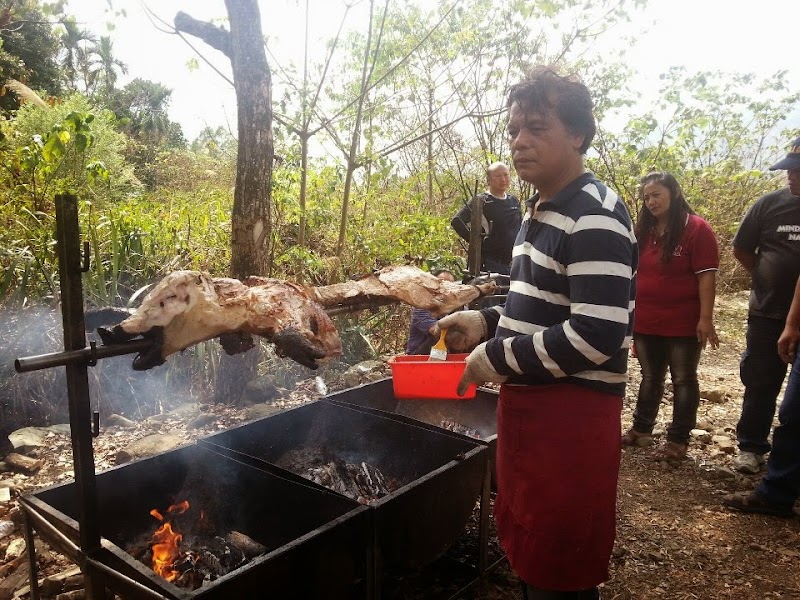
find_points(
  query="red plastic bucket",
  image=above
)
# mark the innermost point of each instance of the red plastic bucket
(415, 377)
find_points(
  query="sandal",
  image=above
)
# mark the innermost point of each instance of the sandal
(630, 438)
(752, 502)
(671, 451)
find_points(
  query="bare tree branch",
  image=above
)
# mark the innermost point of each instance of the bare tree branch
(172, 30)
(216, 37)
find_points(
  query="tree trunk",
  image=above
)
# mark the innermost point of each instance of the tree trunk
(251, 224)
(352, 158)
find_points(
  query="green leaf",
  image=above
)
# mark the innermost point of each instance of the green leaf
(96, 171)
(82, 141)
(53, 148)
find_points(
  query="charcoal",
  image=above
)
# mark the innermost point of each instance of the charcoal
(362, 482)
(211, 558)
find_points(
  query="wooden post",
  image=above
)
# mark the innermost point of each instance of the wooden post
(475, 234)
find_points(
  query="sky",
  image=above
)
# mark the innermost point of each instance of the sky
(699, 34)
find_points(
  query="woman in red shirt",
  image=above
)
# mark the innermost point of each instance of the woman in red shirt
(678, 263)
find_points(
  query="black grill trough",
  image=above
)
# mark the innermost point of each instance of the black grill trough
(319, 544)
(437, 477)
(478, 414)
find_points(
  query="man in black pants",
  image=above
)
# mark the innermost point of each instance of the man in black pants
(502, 217)
(768, 246)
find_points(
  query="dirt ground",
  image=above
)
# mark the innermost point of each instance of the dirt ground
(674, 539)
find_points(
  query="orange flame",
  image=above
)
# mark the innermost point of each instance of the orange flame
(165, 550)
(166, 543)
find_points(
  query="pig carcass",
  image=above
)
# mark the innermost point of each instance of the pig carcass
(187, 307)
(403, 283)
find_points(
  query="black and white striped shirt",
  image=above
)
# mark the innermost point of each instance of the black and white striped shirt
(569, 312)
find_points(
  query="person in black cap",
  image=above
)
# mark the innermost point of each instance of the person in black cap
(767, 245)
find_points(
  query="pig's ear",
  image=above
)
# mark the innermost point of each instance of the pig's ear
(98, 317)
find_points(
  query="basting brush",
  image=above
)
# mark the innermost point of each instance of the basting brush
(439, 350)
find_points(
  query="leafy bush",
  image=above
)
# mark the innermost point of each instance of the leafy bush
(56, 149)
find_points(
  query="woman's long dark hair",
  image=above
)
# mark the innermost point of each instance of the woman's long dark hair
(678, 209)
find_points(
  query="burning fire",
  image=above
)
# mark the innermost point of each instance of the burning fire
(166, 543)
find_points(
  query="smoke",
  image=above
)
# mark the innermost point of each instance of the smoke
(39, 398)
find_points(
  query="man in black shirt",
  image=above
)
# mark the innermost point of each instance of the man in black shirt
(502, 217)
(767, 244)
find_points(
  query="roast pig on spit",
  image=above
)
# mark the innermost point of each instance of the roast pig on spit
(188, 307)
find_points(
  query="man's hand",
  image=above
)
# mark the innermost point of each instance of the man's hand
(479, 370)
(465, 330)
(787, 344)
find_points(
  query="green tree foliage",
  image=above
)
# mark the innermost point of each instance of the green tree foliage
(65, 148)
(107, 64)
(717, 133)
(75, 43)
(28, 49)
(141, 108)
(33, 128)
(425, 88)
(215, 143)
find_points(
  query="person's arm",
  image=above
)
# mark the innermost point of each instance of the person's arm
(423, 321)
(787, 343)
(746, 241)
(704, 253)
(460, 222)
(707, 289)
(746, 259)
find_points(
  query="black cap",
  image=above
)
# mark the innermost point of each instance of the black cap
(792, 160)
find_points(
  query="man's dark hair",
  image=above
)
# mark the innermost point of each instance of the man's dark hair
(544, 89)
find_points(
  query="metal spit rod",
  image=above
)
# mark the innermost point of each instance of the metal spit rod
(88, 356)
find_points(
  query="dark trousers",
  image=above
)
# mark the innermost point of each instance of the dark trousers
(781, 485)
(682, 355)
(762, 372)
(494, 265)
(532, 593)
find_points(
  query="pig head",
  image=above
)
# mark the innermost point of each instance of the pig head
(187, 307)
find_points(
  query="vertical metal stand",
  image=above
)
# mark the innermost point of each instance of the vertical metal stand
(33, 568)
(475, 234)
(70, 266)
(483, 526)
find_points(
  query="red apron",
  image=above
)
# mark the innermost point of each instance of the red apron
(558, 454)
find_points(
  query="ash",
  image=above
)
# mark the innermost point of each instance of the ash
(459, 428)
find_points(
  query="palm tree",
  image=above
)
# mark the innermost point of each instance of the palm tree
(74, 41)
(107, 63)
(147, 103)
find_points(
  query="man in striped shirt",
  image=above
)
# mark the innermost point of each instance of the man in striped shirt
(559, 346)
